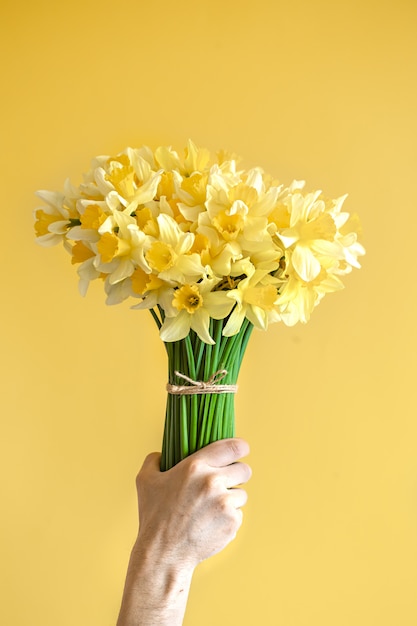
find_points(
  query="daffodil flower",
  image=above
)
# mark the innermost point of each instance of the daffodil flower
(170, 256)
(190, 307)
(53, 220)
(201, 238)
(196, 159)
(252, 299)
(298, 298)
(311, 235)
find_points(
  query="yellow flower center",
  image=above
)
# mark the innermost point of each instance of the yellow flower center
(110, 246)
(80, 253)
(189, 298)
(201, 243)
(122, 175)
(243, 192)
(196, 159)
(93, 217)
(201, 246)
(263, 297)
(195, 185)
(160, 256)
(147, 222)
(323, 227)
(43, 221)
(177, 215)
(229, 226)
(142, 282)
(280, 216)
(166, 185)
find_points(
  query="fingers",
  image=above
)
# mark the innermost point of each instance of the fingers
(150, 466)
(152, 461)
(218, 454)
(237, 498)
(219, 458)
(236, 474)
(223, 452)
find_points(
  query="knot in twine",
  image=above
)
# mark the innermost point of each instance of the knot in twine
(200, 387)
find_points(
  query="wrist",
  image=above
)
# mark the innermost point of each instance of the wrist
(157, 560)
(157, 586)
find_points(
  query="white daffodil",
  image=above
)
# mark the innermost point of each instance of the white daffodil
(190, 307)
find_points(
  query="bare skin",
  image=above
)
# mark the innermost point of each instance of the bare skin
(186, 514)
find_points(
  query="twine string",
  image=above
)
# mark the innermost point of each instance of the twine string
(199, 386)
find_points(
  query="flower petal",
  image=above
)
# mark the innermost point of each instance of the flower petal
(200, 322)
(175, 328)
(235, 321)
(305, 263)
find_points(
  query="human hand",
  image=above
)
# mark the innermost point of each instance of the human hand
(187, 514)
(193, 510)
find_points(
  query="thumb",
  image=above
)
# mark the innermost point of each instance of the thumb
(223, 452)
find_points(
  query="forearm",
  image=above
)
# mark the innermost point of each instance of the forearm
(156, 590)
(186, 514)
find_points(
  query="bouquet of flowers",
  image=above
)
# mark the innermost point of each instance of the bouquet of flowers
(211, 250)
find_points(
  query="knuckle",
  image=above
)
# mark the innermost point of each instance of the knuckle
(223, 505)
(238, 448)
(235, 448)
(233, 522)
(147, 472)
(210, 484)
(193, 467)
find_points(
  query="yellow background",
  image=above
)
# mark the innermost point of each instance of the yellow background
(320, 90)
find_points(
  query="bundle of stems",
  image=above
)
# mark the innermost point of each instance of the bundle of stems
(195, 420)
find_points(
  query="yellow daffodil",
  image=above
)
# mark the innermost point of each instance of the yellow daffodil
(313, 236)
(122, 247)
(196, 159)
(201, 239)
(298, 298)
(170, 256)
(212, 251)
(53, 220)
(253, 299)
(190, 307)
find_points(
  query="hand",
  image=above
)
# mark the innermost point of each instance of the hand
(194, 509)
(186, 514)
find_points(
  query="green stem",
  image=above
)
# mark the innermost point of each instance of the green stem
(156, 318)
(193, 421)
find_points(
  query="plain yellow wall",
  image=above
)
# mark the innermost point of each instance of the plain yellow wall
(320, 90)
